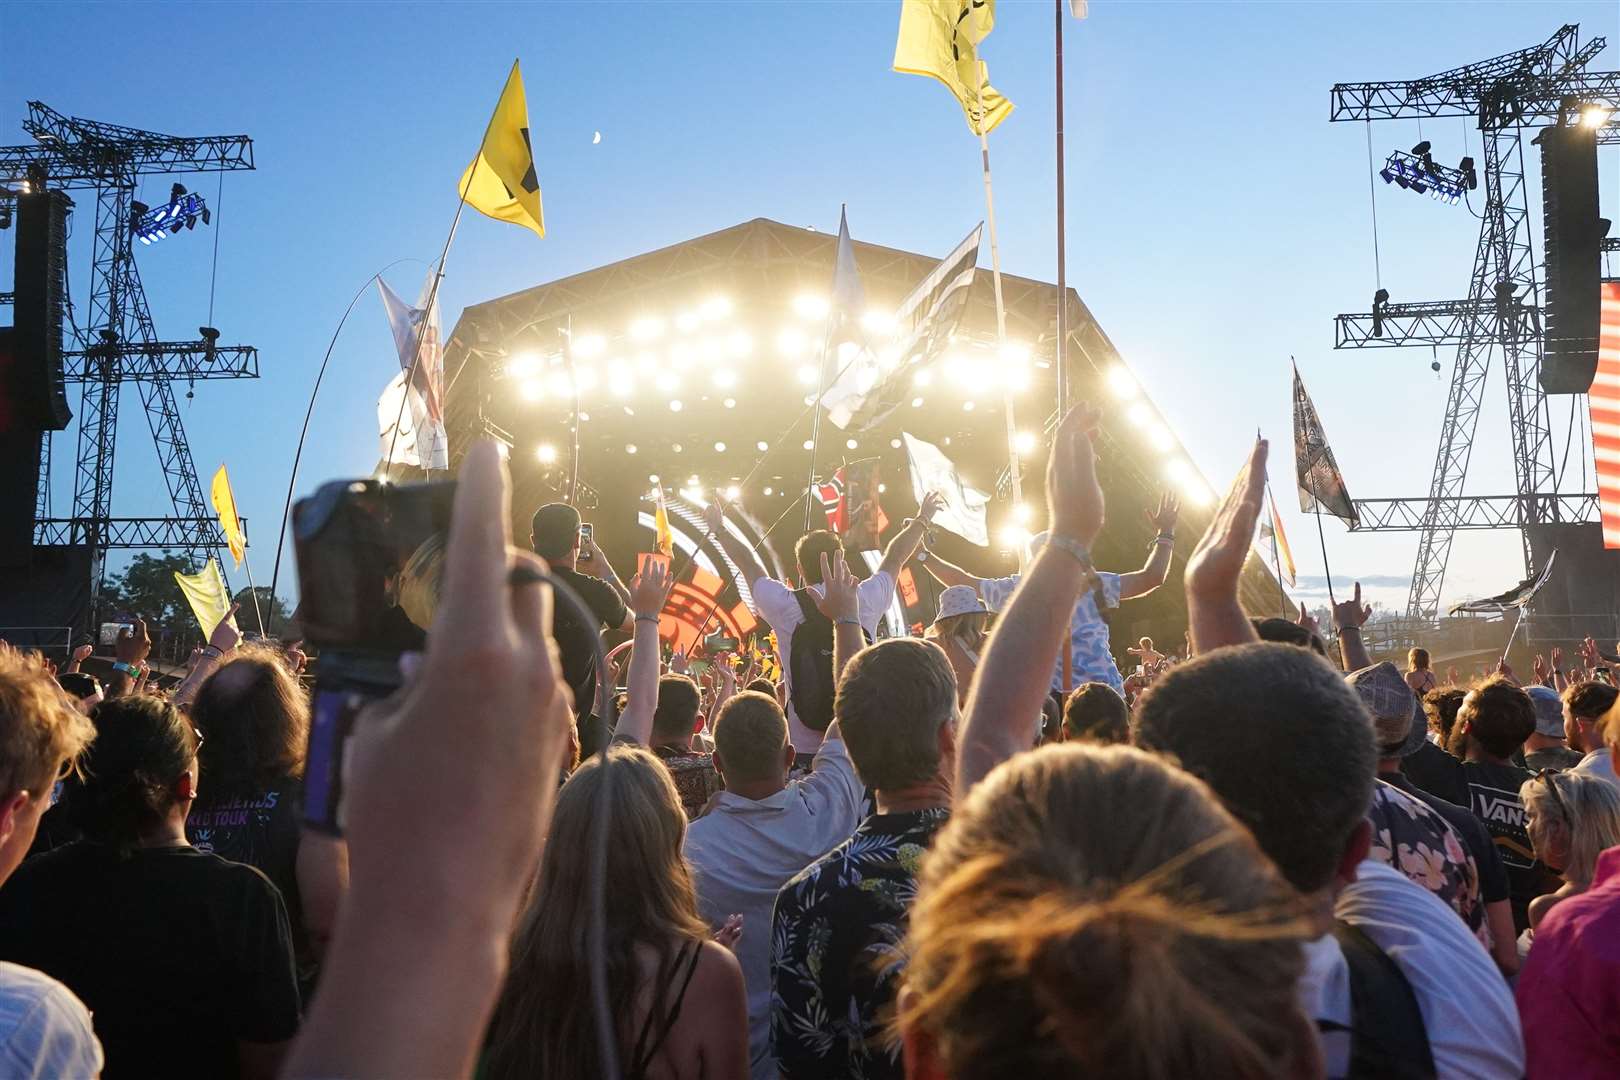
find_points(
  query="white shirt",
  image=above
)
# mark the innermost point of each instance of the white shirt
(774, 602)
(1599, 763)
(45, 1030)
(744, 850)
(1468, 1010)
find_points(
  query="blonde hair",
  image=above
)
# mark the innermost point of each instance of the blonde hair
(968, 630)
(1587, 810)
(1417, 660)
(544, 1023)
(40, 728)
(1164, 945)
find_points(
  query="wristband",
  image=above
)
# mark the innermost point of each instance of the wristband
(212, 652)
(132, 670)
(847, 622)
(647, 618)
(1074, 548)
(1164, 536)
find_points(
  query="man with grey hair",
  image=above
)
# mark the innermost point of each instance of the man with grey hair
(838, 927)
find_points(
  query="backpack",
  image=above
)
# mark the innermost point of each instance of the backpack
(1387, 1036)
(810, 664)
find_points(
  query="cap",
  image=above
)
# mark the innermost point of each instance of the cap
(960, 600)
(1549, 711)
(1398, 720)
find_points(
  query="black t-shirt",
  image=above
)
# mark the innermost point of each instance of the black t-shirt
(1433, 770)
(178, 954)
(1494, 795)
(1493, 880)
(577, 641)
(262, 830)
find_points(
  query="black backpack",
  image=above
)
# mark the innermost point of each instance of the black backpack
(1387, 1036)
(810, 664)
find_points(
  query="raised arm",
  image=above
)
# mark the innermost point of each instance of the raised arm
(220, 644)
(948, 574)
(648, 590)
(1004, 706)
(714, 515)
(905, 542)
(1152, 575)
(600, 567)
(842, 604)
(1214, 616)
(1348, 618)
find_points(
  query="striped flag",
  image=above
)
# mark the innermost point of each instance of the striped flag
(1603, 399)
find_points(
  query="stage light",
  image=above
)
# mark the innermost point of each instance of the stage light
(895, 444)
(724, 378)
(675, 405)
(851, 444)
(716, 307)
(1380, 298)
(693, 481)
(808, 374)
(733, 493)
(680, 356)
(1160, 437)
(730, 403)
(1013, 352)
(1198, 492)
(883, 489)
(770, 491)
(889, 357)
(546, 453)
(740, 344)
(560, 384)
(967, 406)
(687, 321)
(585, 377)
(587, 346)
(630, 448)
(810, 306)
(1421, 148)
(790, 342)
(532, 390)
(1024, 442)
(646, 328)
(1177, 471)
(677, 448)
(1594, 116)
(1122, 382)
(1018, 379)
(666, 381)
(620, 384)
(647, 362)
(878, 322)
(808, 445)
(1015, 537)
(762, 446)
(719, 447)
(652, 478)
(925, 377)
(916, 402)
(523, 365)
(1139, 414)
(1023, 514)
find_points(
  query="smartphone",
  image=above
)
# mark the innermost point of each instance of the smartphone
(370, 562)
(586, 539)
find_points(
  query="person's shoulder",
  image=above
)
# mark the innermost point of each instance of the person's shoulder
(230, 876)
(806, 885)
(45, 1024)
(718, 975)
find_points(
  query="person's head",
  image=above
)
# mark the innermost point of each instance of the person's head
(1285, 743)
(1441, 706)
(41, 738)
(1573, 817)
(809, 550)
(554, 533)
(896, 707)
(1495, 719)
(677, 712)
(140, 774)
(1397, 719)
(1417, 660)
(1288, 632)
(1549, 707)
(544, 1025)
(962, 617)
(762, 686)
(254, 720)
(1095, 713)
(1162, 945)
(751, 747)
(1585, 704)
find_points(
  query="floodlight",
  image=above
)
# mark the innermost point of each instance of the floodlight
(1122, 382)
(546, 453)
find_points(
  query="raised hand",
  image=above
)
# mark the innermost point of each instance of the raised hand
(1451, 676)
(297, 659)
(133, 646)
(1164, 519)
(82, 653)
(932, 503)
(1074, 498)
(1217, 562)
(649, 589)
(714, 516)
(679, 662)
(1307, 620)
(839, 599)
(1351, 612)
(1539, 666)
(730, 931)
(226, 636)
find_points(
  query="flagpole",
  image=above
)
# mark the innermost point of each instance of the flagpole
(1276, 557)
(1001, 310)
(1322, 537)
(821, 382)
(253, 591)
(1062, 287)
(1512, 634)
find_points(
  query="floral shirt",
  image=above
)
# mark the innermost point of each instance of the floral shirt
(835, 950)
(1421, 844)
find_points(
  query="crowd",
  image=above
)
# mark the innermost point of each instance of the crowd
(984, 852)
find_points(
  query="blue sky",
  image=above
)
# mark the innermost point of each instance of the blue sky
(1217, 221)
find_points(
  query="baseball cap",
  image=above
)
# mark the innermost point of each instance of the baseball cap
(1549, 711)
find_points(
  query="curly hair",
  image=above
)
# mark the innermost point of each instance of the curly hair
(40, 729)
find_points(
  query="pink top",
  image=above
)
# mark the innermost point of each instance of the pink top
(1569, 990)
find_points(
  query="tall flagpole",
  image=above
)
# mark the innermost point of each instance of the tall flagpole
(1001, 310)
(1062, 286)
(821, 381)
(1322, 537)
(1276, 557)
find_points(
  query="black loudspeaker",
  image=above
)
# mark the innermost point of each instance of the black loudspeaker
(35, 388)
(19, 461)
(1573, 242)
(1583, 595)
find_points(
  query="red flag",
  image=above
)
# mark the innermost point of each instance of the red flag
(1603, 399)
(830, 493)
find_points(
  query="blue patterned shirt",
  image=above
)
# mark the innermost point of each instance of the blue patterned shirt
(1088, 634)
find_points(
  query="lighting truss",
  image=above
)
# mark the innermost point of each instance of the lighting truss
(167, 220)
(1419, 175)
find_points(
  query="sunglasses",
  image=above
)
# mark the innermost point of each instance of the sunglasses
(1546, 777)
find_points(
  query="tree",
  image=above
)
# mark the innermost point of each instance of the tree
(275, 613)
(147, 589)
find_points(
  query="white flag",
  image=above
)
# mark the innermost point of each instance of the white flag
(964, 509)
(403, 448)
(427, 388)
(1077, 8)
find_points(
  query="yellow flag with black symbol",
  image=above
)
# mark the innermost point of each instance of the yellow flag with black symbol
(502, 182)
(940, 39)
(225, 507)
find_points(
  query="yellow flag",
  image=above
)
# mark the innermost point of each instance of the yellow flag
(666, 539)
(940, 39)
(501, 181)
(225, 507)
(206, 593)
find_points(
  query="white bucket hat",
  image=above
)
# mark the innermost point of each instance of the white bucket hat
(960, 600)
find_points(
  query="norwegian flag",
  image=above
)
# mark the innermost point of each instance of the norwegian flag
(830, 493)
(1603, 399)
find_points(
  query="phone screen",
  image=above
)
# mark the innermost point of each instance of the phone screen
(586, 538)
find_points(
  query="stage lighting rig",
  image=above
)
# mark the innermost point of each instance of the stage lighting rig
(182, 211)
(1417, 172)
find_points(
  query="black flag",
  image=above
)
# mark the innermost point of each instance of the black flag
(1320, 482)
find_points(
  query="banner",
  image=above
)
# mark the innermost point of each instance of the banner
(225, 506)
(425, 401)
(964, 512)
(1516, 597)
(501, 182)
(940, 39)
(206, 593)
(850, 499)
(876, 383)
(1320, 482)
(1603, 402)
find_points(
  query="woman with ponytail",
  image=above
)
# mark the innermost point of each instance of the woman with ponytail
(185, 960)
(1044, 943)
